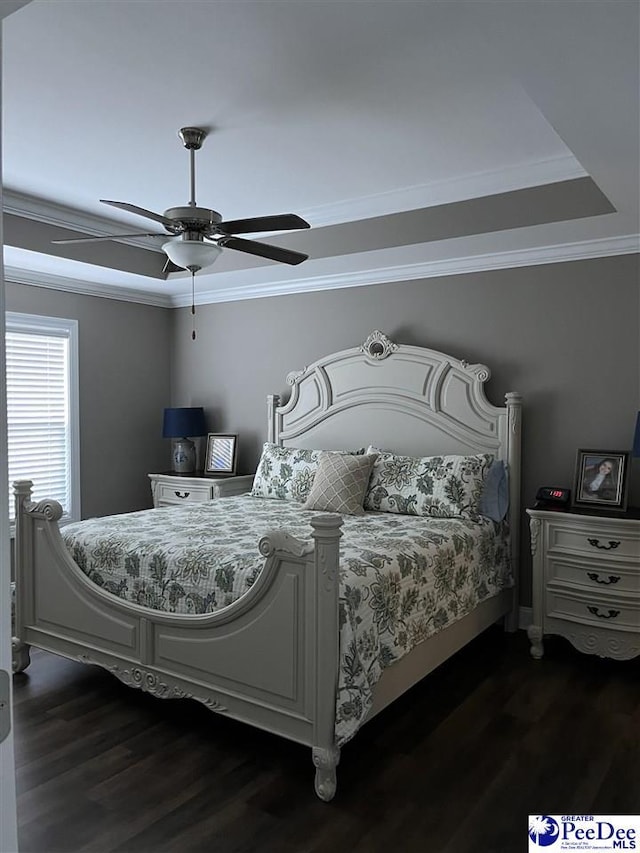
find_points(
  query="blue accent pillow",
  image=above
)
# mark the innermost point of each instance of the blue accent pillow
(494, 501)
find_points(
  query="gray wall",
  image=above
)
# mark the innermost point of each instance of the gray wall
(124, 355)
(566, 336)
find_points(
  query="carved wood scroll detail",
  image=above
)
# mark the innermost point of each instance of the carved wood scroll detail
(278, 540)
(378, 345)
(325, 761)
(535, 524)
(149, 682)
(294, 375)
(480, 371)
(51, 509)
(619, 648)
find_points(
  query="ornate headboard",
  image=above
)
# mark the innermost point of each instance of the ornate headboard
(407, 399)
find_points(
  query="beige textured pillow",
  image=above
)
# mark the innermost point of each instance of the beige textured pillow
(340, 483)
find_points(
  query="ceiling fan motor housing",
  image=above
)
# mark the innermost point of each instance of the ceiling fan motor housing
(194, 218)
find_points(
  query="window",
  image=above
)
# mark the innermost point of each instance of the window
(42, 408)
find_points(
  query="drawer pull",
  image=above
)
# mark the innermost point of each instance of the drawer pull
(610, 615)
(596, 544)
(594, 576)
(182, 494)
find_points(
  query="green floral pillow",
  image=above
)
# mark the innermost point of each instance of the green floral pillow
(287, 473)
(440, 486)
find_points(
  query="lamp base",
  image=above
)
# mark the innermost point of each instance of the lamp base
(184, 456)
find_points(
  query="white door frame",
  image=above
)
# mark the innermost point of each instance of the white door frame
(8, 818)
(8, 822)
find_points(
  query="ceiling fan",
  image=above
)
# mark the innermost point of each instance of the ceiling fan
(198, 233)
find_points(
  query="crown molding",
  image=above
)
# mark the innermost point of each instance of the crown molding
(576, 251)
(16, 275)
(583, 250)
(89, 224)
(477, 185)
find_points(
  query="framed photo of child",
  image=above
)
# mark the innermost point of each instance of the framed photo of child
(601, 479)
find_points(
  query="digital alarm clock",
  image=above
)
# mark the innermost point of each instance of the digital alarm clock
(552, 497)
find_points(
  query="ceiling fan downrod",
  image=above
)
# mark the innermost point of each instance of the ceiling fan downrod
(192, 139)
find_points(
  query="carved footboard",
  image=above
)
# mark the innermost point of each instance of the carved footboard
(269, 659)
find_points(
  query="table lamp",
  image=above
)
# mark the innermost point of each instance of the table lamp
(178, 425)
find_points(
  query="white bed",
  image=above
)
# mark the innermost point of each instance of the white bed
(272, 658)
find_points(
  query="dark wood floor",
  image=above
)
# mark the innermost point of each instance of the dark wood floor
(455, 766)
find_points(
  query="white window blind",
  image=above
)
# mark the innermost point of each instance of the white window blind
(42, 410)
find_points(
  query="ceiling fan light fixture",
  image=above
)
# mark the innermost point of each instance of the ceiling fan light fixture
(192, 255)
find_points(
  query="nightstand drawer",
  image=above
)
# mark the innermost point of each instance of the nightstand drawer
(179, 493)
(602, 575)
(611, 613)
(593, 540)
(172, 489)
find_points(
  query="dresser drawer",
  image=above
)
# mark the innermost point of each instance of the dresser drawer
(180, 493)
(603, 576)
(615, 614)
(594, 540)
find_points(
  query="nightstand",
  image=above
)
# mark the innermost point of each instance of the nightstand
(168, 488)
(586, 581)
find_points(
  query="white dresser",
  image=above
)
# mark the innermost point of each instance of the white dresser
(170, 488)
(586, 582)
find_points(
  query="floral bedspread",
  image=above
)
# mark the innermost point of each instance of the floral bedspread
(402, 579)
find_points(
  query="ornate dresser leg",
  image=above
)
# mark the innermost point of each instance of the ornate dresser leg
(534, 632)
(326, 761)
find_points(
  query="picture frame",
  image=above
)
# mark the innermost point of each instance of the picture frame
(601, 480)
(221, 455)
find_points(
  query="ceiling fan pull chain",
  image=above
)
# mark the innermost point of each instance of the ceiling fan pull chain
(193, 306)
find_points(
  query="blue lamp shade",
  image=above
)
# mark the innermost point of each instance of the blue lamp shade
(180, 423)
(636, 438)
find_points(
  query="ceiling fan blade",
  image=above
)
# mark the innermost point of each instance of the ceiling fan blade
(263, 250)
(140, 211)
(280, 222)
(108, 237)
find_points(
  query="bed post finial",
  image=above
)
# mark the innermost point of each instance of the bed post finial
(378, 345)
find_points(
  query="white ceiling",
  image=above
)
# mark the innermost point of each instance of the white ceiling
(338, 111)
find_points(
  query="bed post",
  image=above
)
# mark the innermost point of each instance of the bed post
(514, 441)
(23, 567)
(273, 401)
(326, 533)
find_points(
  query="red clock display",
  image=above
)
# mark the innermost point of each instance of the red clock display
(552, 496)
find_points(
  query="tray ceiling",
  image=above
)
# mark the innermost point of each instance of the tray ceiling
(414, 137)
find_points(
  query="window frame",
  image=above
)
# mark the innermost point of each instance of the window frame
(36, 324)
